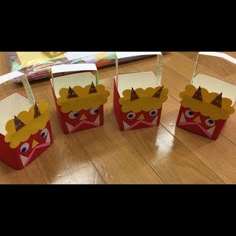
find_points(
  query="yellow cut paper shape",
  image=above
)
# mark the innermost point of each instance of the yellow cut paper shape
(84, 100)
(145, 102)
(205, 107)
(32, 125)
(31, 58)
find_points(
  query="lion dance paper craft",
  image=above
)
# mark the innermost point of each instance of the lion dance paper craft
(78, 97)
(25, 130)
(138, 97)
(207, 103)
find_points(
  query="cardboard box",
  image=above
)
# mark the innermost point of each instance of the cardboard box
(25, 130)
(78, 96)
(138, 96)
(207, 102)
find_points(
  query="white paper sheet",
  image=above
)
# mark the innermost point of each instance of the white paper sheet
(121, 55)
(77, 55)
(10, 76)
(73, 67)
(10, 106)
(137, 80)
(81, 79)
(215, 85)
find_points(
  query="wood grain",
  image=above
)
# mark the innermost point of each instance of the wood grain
(106, 155)
(4, 66)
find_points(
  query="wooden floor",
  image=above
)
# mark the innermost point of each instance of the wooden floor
(105, 155)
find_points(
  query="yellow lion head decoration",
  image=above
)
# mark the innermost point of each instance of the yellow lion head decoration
(209, 104)
(78, 98)
(27, 123)
(143, 99)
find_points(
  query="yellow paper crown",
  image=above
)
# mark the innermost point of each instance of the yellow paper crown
(143, 99)
(77, 98)
(209, 104)
(27, 123)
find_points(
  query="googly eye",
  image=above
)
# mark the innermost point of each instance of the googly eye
(131, 115)
(73, 115)
(44, 133)
(94, 111)
(209, 122)
(153, 112)
(189, 113)
(24, 147)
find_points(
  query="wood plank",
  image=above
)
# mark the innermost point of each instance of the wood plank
(166, 155)
(220, 151)
(4, 67)
(114, 157)
(218, 155)
(214, 66)
(30, 175)
(64, 161)
(172, 77)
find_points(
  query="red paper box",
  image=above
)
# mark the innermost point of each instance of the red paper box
(138, 97)
(207, 102)
(78, 97)
(25, 130)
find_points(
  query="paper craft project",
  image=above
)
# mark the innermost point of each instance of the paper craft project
(138, 97)
(25, 130)
(28, 59)
(78, 96)
(38, 66)
(207, 102)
